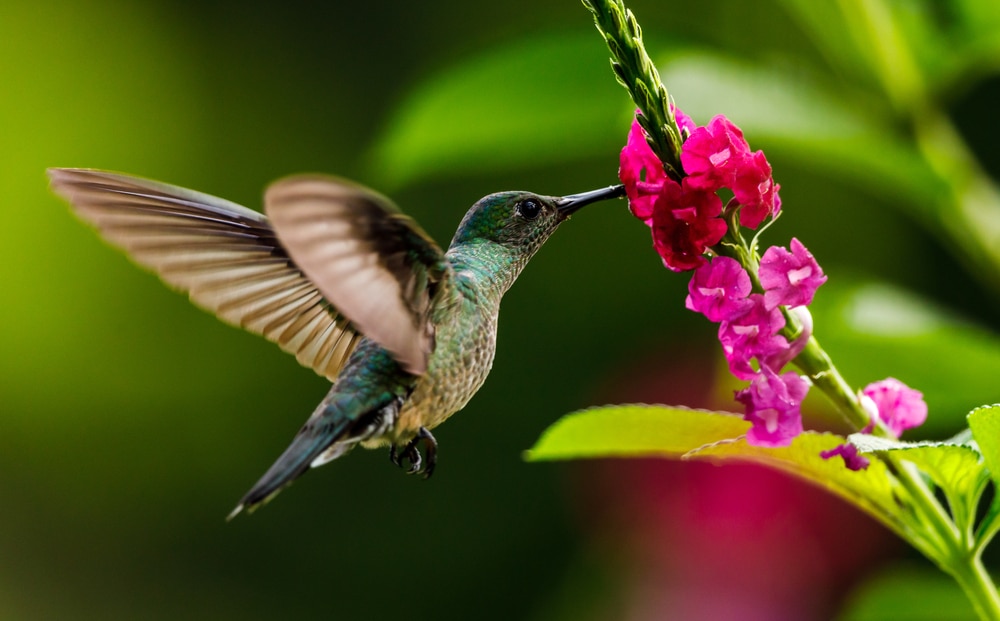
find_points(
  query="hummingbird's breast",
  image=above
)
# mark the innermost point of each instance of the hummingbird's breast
(465, 342)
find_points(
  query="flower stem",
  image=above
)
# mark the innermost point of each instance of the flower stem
(930, 528)
(812, 360)
(978, 586)
(943, 542)
(815, 363)
(933, 531)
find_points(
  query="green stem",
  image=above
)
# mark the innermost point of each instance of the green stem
(988, 527)
(947, 545)
(978, 586)
(815, 363)
(932, 530)
(944, 535)
(929, 527)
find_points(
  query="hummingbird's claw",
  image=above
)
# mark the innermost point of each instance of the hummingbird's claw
(430, 450)
(411, 453)
(416, 460)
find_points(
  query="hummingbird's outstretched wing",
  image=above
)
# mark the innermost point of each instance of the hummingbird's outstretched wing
(226, 257)
(372, 262)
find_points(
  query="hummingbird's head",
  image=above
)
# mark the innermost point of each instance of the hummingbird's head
(521, 221)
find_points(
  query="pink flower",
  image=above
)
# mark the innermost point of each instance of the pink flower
(849, 453)
(712, 155)
(755, 190)
(789, 278)
(685, 223)
(719, 290)
(752, 335)
(772, 406)
(641, 172)
(684, 122)
(779, 359)
(899, 406)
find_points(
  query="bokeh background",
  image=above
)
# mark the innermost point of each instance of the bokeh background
(131, 422)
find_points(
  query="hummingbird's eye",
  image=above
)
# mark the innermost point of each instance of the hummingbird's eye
(529, 208)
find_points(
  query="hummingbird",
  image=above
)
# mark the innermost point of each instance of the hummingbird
(337, 275)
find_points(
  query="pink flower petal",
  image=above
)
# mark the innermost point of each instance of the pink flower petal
(849, 453)
(789, 278)
(641, 172)
(719, 290)
(772, 405)
(899, 406)
(755, 190)
(683, 121)
(685, 224)
(752, 335)
(778, 360)
(713, 154)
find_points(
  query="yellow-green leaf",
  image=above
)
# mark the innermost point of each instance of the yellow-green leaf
(957, 469)
(634, 430)
(985, 425)
(681, 433)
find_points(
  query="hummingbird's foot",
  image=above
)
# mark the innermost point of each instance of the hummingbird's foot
(411, 453)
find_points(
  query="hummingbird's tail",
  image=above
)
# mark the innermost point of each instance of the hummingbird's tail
(296, 459)
(329, 433)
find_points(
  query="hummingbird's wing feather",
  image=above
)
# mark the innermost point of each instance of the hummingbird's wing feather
(372, 262)
(226, 257)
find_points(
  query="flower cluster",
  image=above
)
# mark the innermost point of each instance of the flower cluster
(688, 221)
(686, 217)
(749, 330)
(684, 214)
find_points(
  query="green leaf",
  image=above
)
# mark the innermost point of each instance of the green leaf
(874, 330)
(634, 430)
(985, 425)
(957, 469)
(873, 490)
(525, 104)
(680, 433)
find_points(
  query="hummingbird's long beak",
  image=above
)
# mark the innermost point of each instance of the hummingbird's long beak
(569, 204)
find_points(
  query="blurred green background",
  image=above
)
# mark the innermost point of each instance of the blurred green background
(131, 422)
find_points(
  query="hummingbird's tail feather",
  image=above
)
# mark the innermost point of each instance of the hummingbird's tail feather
(297, 458)
(328, 434)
